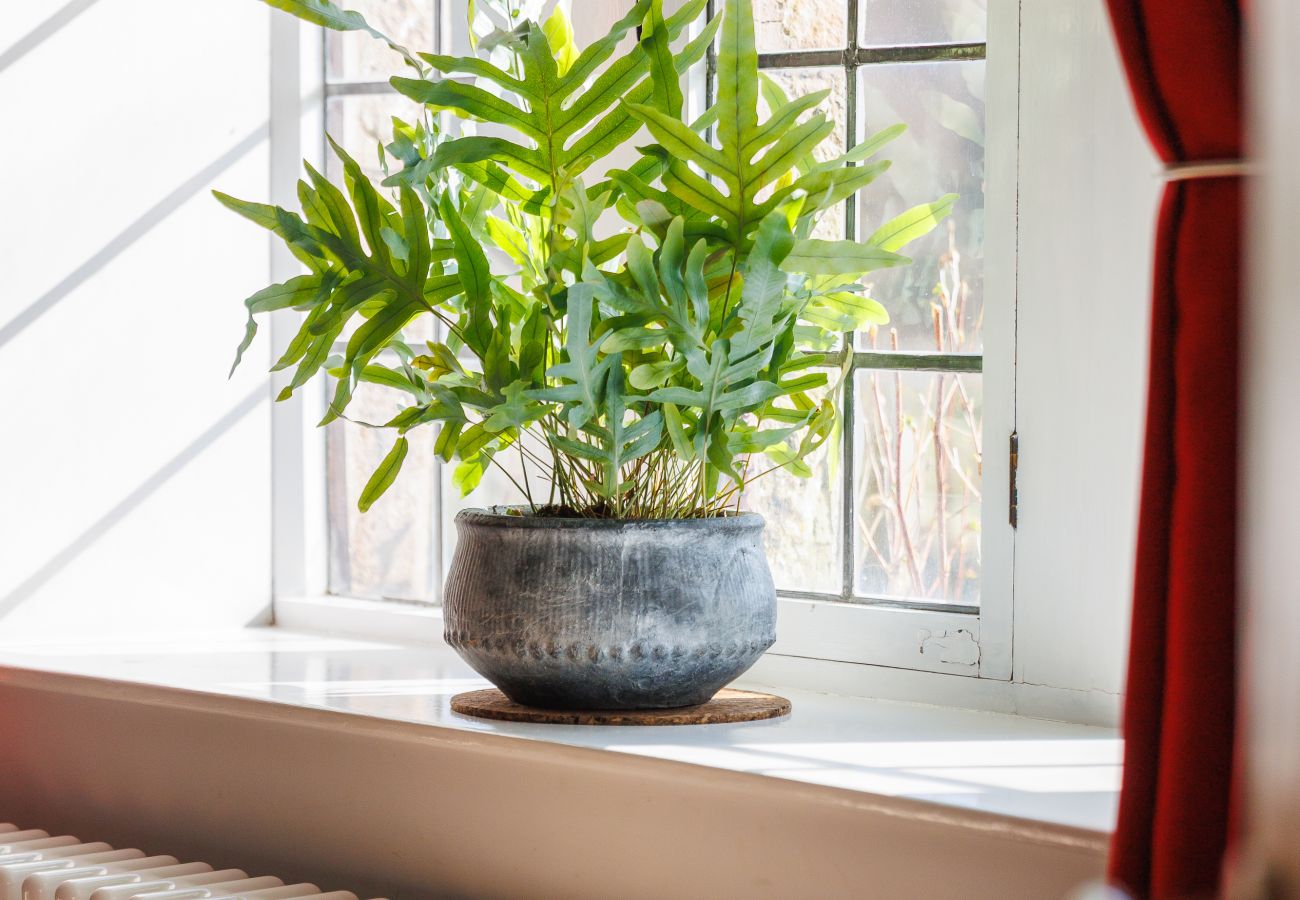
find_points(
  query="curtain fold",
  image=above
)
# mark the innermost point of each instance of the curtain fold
(1183, 61)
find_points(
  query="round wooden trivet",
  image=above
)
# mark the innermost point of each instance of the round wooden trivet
(726, 706)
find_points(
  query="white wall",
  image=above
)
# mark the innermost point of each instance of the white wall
(1269, 860)
(1087, 202)
(133, 475)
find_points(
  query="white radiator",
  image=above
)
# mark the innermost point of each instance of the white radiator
(36, 866)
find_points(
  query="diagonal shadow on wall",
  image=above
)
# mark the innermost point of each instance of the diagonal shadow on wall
(132, 233)
(43, 32)
(139, 495)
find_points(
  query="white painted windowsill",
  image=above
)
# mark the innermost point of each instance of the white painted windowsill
(1051, 781)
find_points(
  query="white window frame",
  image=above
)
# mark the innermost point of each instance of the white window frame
(975, 645)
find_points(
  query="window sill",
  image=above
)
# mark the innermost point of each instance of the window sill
(339, 761)
(805, 657)
(1050, 780)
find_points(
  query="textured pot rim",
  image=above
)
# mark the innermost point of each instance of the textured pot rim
(496, 517)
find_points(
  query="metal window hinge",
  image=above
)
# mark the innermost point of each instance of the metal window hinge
(1013, 513)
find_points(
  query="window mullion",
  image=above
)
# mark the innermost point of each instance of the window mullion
(965, 52)
(910, 360)
(356, 88)
(862, 56)
(848, 434)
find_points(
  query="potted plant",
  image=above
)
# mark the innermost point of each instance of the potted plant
(650, 339)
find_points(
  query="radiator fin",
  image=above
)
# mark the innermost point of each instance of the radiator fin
(35, 865)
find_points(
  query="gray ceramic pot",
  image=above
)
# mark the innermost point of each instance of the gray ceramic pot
(607, 614)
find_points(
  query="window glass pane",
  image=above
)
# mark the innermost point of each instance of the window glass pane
(356, 56)
(800, 24)
(941, 152)
(917, 485)
(895, 22)
(800, 82)
(803, 535)
(387, 552)
(795, 83)
(501, 486)
(360, 124)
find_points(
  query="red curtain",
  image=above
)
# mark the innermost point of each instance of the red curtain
(1183, 59)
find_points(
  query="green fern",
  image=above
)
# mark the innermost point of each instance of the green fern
(568, 123)
(645, 369)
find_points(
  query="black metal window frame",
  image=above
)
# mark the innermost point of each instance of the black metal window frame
(851, 58)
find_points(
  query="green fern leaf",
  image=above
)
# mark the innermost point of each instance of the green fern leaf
(567, 123)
